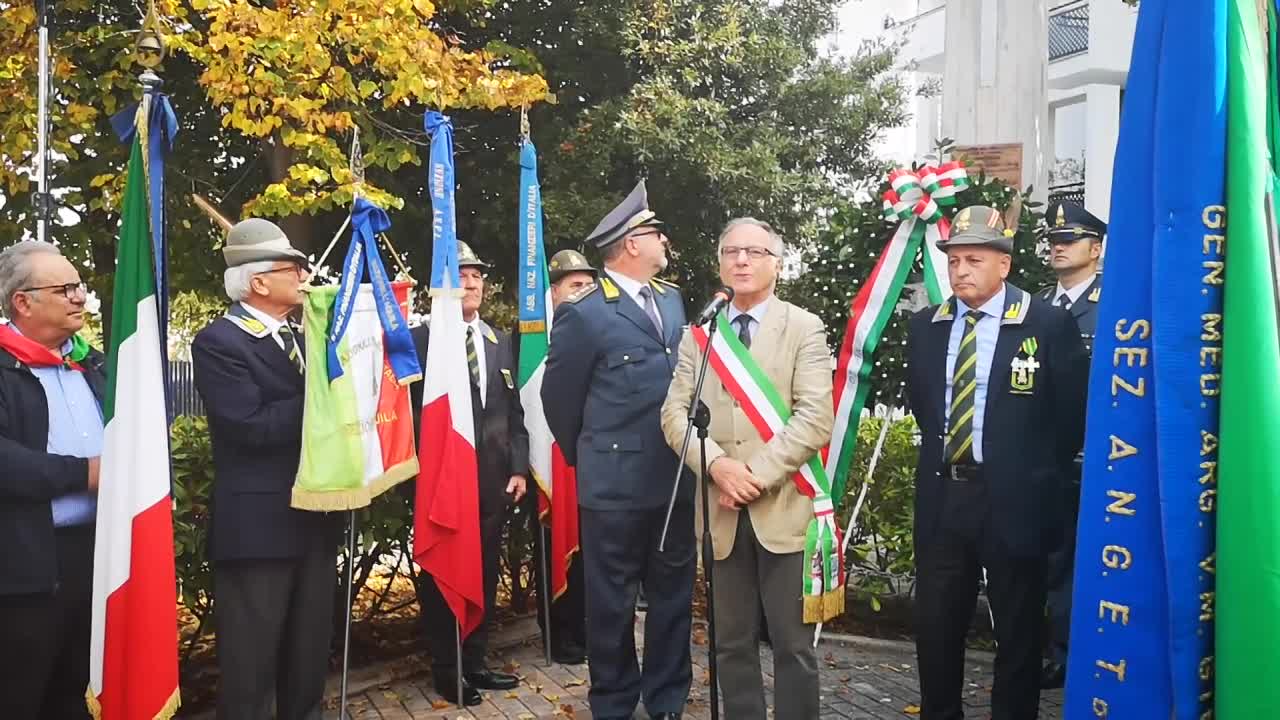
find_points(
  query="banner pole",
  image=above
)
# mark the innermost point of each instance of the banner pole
(544, 550)
(346, 633)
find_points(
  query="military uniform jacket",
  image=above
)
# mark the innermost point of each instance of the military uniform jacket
(502, 442)
(1033, 422)
(607, 375)
(253, 397)
(1084, 310)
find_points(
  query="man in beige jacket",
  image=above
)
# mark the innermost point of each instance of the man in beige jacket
(758, 517)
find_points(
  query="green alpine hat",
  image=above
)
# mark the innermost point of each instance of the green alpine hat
(979, 225)
(568, 261)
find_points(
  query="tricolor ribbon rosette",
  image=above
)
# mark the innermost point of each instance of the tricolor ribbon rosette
(923, 193)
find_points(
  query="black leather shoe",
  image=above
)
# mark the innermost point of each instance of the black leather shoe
(447, 686)
(665, 716)
(569, 654)
(1053, 676)
(490, 680)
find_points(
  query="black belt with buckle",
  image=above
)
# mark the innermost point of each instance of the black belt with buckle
(962, 473)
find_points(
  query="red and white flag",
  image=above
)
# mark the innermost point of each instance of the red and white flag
(446, 524)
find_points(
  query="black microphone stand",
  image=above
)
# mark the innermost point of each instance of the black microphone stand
(700, 418)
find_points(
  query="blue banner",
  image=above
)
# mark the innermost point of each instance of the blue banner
(1141, 630)
(162, 127)
(367, 220)
(440, 186)
(533, 259)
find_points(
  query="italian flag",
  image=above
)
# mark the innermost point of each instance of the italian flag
(557, 481)
(868, 316)
(133, 666)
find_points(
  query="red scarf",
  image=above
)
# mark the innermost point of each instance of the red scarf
(33, 354)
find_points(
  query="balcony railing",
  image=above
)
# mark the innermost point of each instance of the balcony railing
(1068, 30)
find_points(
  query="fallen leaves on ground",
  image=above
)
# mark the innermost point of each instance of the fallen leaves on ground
(911, 709)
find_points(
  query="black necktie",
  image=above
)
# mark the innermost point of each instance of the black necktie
(743, 322)
(1064, 301)
(473, 361)
(650, 308)
(964, 385)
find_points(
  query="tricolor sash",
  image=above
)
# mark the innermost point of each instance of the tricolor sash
(768, 413)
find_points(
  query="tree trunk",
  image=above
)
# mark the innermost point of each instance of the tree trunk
(299, 228)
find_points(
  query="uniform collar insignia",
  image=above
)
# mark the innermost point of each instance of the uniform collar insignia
(946, 311)
(1016, 304)
(488, 332)
(1095, 295)
(243, 319)
(611, 292)
(657, 286)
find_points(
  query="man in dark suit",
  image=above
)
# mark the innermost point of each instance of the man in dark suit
(502, 454)
(997, 383)
(51, 431)
(274, 567)
(611, 360)
(1075, 242)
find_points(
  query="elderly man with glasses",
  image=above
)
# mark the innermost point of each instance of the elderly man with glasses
(273, 567)
(51, 390)
(758, 517)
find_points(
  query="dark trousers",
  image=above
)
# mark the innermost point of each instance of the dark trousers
(437, 619)
(275, 621)
(1061, 571)
(620, 550)
(749, 579)
(569, 611)
(44, 639)
(949, 566)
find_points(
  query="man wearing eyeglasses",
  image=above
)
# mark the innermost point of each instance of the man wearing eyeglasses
(51, 389)
(759, 518)
(610, 362)
(273, 566)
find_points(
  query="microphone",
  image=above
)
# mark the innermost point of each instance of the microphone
(719, 300)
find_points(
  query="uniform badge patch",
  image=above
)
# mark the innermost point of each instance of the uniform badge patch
(506, 376)
(1022, 378)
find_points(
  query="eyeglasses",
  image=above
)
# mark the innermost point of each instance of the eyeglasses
(729, 252)
(637, 236)
(293, 268)
(66, 290)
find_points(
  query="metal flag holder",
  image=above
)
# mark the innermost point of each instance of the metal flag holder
(42, 200)
(699, 418)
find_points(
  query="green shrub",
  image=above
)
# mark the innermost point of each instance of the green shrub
(881, 559)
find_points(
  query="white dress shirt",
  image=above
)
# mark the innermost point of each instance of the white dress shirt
(477, 328)
(988, 329)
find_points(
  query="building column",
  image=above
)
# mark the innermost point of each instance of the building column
(1102, 130)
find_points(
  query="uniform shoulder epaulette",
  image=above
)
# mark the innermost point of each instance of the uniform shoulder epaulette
(582, 292)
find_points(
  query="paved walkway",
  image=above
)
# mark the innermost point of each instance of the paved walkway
(862, 679)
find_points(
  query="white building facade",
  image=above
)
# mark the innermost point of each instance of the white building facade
(1049, 74)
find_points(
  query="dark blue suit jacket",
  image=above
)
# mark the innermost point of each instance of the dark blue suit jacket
(253, 398)
(1028, 436)
(607, 375)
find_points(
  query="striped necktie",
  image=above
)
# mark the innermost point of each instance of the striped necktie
(290, 343)
(964, 385)
(473, 361)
